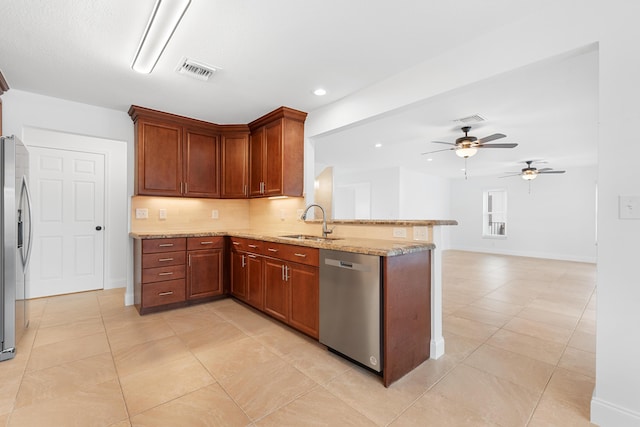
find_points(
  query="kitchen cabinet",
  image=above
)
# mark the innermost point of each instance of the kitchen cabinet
(276, 151)
(247, 271)
(175, 156)
(235, 165)
(291, 283)
(205, 264)
(279, 279)
(159, 273)
(173, 272)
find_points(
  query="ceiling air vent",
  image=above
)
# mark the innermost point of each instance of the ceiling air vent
(195, 69)
(470, 119)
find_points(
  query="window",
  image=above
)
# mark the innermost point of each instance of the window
(494, 218)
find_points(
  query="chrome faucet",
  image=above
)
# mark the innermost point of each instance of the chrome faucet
(325, 230)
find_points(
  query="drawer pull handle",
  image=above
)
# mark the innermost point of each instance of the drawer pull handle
(253, 246)
(165, 245)
(169, 273)
(163, 294)
(252, 256)
(272, 250)
(206, 243)
(165, 259)
(236, 243)
(301, 255)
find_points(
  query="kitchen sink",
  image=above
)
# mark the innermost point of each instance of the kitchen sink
(309, 237)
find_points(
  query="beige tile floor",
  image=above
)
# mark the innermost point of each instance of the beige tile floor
(520, 341)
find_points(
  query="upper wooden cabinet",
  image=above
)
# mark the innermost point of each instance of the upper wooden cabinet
(276, 154)
(234, 165)
(183, 157)
(175, 156)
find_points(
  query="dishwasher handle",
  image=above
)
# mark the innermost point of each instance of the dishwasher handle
(347, 264)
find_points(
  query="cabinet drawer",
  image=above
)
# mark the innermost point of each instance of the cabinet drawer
(211, 242)
(163, 259)
(163, 245)
(300, 254)
(161, 293)
(159, 274)
(247, 245)
(294, 253)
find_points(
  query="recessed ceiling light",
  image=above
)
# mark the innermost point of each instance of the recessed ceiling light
(319, 92)
(429, 160)
(378, 145)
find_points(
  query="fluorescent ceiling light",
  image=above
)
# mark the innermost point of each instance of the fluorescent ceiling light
(162, 23)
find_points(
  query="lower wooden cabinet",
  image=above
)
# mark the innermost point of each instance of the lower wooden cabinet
(172, 272)
(247, 272)
(205, 266)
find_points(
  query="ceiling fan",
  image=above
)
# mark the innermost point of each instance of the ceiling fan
(529, 173)
(466, 146)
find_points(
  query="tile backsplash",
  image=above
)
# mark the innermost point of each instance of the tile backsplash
(280, 215)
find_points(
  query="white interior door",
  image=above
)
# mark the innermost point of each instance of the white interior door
(68, 198)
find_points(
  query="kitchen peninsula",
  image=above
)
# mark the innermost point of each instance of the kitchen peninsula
(406, 276)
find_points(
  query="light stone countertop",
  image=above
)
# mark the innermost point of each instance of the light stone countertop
(377, 247)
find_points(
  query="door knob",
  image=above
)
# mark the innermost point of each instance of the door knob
(98, 228)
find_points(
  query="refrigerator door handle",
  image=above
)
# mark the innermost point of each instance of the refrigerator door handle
(24, 192)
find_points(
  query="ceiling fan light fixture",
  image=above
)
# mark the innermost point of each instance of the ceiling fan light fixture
(466, 152)
(529, 175)
(163, 22)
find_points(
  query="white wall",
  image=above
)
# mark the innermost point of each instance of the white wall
(569, 25)
(383, 185)
(26, 114)
(423, 196)
(553, 216)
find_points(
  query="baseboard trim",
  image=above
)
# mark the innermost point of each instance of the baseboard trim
(605, 414)
(436, 348)
(559, 257)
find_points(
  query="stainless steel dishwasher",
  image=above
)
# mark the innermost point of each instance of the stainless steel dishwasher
(350, 306)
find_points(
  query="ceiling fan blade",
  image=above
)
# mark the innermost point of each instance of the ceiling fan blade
(437, 151)
(491, 138)
(503, 145)
(440, 142)
(551, 171)
(513, 174)
(545, 169)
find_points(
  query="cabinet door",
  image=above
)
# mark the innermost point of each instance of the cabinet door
(235, 166)
(255, 281)
(276, 294)
(202, 156)
(273, 172)
(239, 275)
(159, 159)
(304, 300)
(204, 273)
(256, 162)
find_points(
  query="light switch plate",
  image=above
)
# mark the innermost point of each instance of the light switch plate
(162, 213)
(214, 214)
(629, 207)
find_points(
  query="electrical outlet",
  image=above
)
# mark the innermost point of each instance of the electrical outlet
(420, 233)
(399, 232)
(142, 213)
(214, 214)
(162, 213)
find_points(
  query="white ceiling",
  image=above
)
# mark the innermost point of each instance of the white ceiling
(276, 52)
(550, 109)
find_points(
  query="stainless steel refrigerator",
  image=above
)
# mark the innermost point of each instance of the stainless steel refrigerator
(17, 238)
